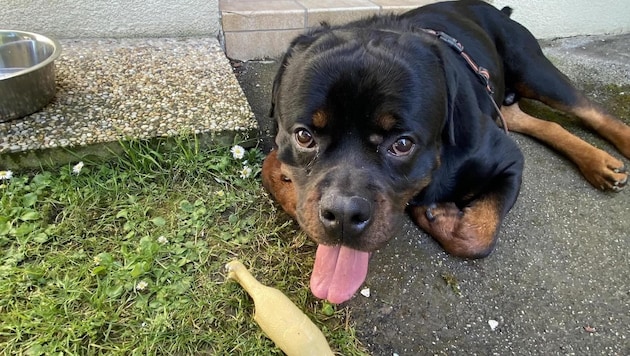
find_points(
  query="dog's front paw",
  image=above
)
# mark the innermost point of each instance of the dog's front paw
(604, 171)
(442, 214)
(438, 220)
(469, 232)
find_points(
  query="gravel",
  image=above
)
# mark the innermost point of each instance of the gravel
(112, 89)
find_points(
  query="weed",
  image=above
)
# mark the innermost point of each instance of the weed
(452, 282)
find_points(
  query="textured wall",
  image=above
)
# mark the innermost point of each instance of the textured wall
(112, 18)
(564, 18)
(141, 18)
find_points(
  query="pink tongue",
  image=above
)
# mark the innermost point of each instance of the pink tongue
(338, 272)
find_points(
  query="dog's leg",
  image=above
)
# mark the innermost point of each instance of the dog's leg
(608, 126)
(592, 115)
(279, 184)
(533, 76)
(598, 167)
(471, 231)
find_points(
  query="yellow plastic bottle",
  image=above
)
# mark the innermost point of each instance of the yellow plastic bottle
(283, 322)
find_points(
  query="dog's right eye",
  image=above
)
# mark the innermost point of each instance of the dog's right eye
(304, 138)
(402, 147)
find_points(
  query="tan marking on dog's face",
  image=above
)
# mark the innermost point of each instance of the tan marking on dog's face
(376, 139)
(386, 121)
(278, 182)
(320, 119)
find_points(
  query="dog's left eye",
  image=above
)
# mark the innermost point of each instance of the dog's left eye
(304, 138)
(402, 147)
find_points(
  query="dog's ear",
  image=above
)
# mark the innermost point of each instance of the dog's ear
(452, 85)
(298, 45)
(276, 82)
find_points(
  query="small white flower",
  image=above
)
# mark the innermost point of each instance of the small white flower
(142, 285)
(238, 152)
(6, 175)
(97, 260)
(162, 240)
(77, 167)
(246, 172)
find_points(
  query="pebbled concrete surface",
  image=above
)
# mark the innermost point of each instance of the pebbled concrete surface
(558, 282)
(112, 89)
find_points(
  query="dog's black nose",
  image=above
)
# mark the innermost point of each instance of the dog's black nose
(344, 217)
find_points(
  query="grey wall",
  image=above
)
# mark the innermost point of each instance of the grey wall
(564, 18)
(176, 18)
(112, 18)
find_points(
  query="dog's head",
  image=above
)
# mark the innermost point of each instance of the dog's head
(361, 116)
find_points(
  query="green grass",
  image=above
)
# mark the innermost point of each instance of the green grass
(127, 257)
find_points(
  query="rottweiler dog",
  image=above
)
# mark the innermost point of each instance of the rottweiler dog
(405, 115)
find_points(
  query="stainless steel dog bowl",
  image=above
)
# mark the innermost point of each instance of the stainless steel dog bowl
(27, 72)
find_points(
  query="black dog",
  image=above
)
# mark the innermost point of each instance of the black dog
(398, 114)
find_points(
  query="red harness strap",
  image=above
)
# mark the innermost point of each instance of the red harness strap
(481, 72)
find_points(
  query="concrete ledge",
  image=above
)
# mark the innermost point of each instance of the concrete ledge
(113, 89)
(255, 29)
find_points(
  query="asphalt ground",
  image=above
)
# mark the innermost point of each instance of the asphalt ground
(558, 282)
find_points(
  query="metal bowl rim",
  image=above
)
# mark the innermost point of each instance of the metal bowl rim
(41, 38)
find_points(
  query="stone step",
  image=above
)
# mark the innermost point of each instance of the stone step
(110, 90)
(258, 29)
